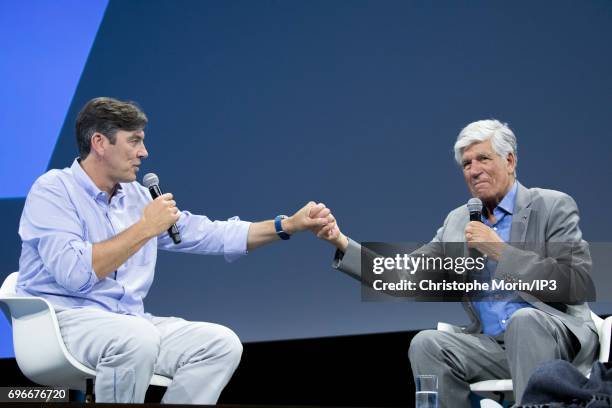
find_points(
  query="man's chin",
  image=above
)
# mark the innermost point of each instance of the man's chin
(129, 178)
(484, 196)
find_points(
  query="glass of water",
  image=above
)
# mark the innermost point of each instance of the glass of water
(426, 391)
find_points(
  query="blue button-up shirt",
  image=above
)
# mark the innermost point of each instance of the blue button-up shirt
(495, 313)
(65, 213)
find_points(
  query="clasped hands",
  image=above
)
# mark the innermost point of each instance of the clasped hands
(317, 218)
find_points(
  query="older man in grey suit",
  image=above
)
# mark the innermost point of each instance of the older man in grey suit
(525, 235)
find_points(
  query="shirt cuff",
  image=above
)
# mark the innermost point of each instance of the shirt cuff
(349, 261)
(235, 239)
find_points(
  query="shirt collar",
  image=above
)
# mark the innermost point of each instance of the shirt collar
(507, 203)
(88, 185)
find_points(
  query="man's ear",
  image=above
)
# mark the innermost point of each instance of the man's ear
(511, 163)
(99, 143)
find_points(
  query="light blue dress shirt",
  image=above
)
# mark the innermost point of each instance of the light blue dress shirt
(65, 213)
(496, 309)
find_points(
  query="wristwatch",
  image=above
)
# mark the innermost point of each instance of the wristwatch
(278, 226)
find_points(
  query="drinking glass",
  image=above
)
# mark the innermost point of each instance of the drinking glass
(426, 391)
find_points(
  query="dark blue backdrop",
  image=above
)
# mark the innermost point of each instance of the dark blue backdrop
(257, 107)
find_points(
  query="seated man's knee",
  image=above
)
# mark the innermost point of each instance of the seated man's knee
(231, 344)
(523, 324)
(525, 317)
(221, 342)
(424, 343)
(140, 341)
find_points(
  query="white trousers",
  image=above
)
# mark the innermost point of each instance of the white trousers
(125, 351)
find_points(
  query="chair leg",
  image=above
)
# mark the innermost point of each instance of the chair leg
(89, 391)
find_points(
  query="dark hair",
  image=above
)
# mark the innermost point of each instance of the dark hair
(106, 115)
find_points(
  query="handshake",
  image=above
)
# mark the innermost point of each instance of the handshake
(318, 219)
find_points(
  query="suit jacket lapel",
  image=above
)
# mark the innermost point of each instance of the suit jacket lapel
(520, 217)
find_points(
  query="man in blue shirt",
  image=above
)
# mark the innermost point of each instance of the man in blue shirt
(511, 332)
(90, 235)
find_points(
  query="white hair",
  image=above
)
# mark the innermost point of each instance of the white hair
(502, 138)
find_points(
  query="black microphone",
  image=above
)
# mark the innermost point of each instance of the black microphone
(151, 181)
(474, 206)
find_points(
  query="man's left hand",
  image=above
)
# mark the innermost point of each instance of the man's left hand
(484, 239)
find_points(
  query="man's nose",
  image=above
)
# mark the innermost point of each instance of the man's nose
(475, 170)
(143, 153)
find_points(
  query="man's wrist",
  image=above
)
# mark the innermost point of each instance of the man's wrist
(497, 251)
(144, 230)
(342, 243)
(288, 225)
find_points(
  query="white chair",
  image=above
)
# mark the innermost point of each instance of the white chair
(503, 388)
(39, 348)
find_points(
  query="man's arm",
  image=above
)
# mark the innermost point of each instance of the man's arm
(234, 238)
(261, 233)
(157, 217)
(349, 254)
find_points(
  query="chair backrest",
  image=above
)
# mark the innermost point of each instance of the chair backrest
(9, 284)
(598, 322)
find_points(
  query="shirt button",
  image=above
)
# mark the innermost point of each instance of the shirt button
(495, 228)
(503, 321)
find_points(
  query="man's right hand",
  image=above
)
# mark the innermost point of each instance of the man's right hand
(330, 232)
(160, 214)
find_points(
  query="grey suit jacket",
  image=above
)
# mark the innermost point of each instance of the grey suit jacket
(546, 243)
